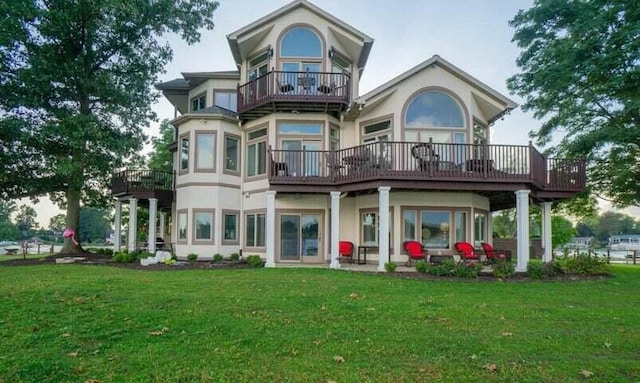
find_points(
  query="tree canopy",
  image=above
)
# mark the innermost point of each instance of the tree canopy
(580, 74)
(161, 157)
(76, 92)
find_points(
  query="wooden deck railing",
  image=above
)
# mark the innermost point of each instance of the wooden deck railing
(128, 181)
(294, 87)
(426, 161)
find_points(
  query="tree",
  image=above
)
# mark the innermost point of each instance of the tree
(94, 225)
(26, 220)
(8, 231)
(161, 158)
(612, 223)
(504, 224)
(57, 223)
(75, 91)
(562, 231)
(580, 73)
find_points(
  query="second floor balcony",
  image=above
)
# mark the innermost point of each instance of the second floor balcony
(487, 169)
(144, 184)
(279, 91)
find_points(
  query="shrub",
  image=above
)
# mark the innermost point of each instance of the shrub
(503, 269)
(390, 267)
(234, 257)
(255, 261)
(126, 257)
(536, 270)
(467, 270)
(421, 266)
(192, 257)
(218, 258)
(584, 264)
(108, 252)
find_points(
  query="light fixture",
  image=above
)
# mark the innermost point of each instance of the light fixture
(270, 51)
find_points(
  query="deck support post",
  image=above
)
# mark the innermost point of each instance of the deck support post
(153, 217)
(117, 234)
(522, 220)
(335, 229)
(163, 220)
(133, 224)
(546, 232)
(271, 229)
(383, 233)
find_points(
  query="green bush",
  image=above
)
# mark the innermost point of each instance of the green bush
(503, 269)
(126, 257)
(234, 257)
(467, 270)
(218, 258)
(390, 267)
(255, 261)
(584, 264)
(421, 266)
(537, 270)
(534, 270)
(192, 257)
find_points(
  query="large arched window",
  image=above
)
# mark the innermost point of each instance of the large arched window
(433, 109)
(300, 42)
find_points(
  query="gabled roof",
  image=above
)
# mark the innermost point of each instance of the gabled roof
(265, 20)
(506, 103)
(193, 79)
(216, 110)
(175, 84)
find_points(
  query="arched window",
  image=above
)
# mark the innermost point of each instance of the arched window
(432, 109)
(300, 42)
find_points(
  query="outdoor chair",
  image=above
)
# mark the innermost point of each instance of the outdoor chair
(345, 250)
(415, 251)
(425, 156)
(467, 253)
(492, 255)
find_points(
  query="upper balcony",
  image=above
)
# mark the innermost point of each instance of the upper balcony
(144, 184)
(278, 91)
(492, 170)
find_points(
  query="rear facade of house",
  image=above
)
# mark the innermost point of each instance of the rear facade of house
(284, 157)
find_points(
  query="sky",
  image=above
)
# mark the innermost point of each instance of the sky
(474, 35)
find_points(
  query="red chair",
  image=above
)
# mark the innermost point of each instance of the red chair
(492, 254)
(345, 250)
(415, 251)
(467, 254)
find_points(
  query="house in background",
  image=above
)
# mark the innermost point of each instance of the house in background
(284, 157)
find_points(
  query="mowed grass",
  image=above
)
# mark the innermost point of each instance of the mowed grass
(69, 323)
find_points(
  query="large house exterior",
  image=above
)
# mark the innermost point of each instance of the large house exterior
(284, 157)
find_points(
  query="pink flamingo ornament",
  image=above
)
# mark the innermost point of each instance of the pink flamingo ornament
(69, 233)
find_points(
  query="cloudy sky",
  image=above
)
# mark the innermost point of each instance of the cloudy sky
(472, 34)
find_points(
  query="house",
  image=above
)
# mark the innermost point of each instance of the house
(284, 157)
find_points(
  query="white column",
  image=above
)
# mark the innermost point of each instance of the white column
(335, 229)
(271, 229)
(522, 221)
(163, 219)
(383, 227)
(153, 216)
(546, 232)
(490, 228)
(133, 224)
(117, 232)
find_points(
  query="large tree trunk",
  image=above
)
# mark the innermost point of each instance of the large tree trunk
(73, 220)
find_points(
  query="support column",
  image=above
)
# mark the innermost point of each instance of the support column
(117, 233)
(383, 227)
(490, 228)
(335, 229)
(163, 219)
(547, 242)
(522, 220)
(271, 229)
(133, 224)
(153, 216)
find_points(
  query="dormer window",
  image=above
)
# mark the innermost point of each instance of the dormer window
(198, 102)
(301, 42)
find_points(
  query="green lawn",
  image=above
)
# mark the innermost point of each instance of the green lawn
(70, 323)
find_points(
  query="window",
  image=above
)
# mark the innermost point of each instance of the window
(205, 151)
(231, 153)
(182, 226)
(479, 140)
(257, 152)
(370, 228)
(255, 230)
(198, 102)
(432, 227)
(479, 229)
(230, 227)
(300, 129)
(379, 132)
(227, 100)
(339, 62)
(334, 138)
(301, 42)
(432, 109)
(184, 154)
(258, 66)
(203, 226)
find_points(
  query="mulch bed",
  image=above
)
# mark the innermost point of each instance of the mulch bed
(104, 260)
